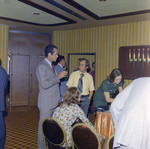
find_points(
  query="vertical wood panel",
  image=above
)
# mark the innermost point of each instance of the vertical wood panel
(26, 45)
(22, 41)
(38, 44)
(105, 41)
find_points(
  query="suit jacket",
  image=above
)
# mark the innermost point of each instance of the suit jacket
(49, 94)
(3, 85)
(63, 81)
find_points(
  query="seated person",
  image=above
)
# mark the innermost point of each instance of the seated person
(68, 111)
(131, 116)
(108, 88)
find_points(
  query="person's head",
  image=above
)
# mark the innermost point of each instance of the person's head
(71, 96)
(93, 65)
(65, 67)
(51, 53)
(115, 76)
(61, 60)
(84, 65)
(78, 62)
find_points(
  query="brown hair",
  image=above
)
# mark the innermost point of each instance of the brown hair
(115, 73)
(71, 95)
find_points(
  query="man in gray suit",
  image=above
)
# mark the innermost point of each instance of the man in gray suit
(59, 68)
(49, 94)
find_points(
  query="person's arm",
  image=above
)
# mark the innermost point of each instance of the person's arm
(80, 114)
(90, 94)
(6, 82)
(70, 81)
(118, 104)
(91, 88)
(107, 97)
(120, 89)
(62, 74)
(44, 80)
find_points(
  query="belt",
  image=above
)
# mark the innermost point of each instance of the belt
(84, 96)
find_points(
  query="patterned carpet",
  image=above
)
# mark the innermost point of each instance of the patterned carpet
(21, 127)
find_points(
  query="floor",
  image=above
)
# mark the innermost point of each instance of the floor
(21, 127)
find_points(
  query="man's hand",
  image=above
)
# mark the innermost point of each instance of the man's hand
(62, 74)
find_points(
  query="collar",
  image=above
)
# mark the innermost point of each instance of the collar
(60, 65)
(48, 62)
(83, 73)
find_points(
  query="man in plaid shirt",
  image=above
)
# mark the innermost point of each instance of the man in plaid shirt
(131, 115)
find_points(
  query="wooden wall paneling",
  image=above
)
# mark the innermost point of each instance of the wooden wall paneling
(134, 61)
(34, 87)
(38, 44)
(19, 80)
(19, 43)
(31, 46)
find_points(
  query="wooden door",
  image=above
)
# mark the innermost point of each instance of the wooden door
(19, 80)
(19, 43)
(34, 88)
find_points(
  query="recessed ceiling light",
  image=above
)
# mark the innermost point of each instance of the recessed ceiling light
(36, 13)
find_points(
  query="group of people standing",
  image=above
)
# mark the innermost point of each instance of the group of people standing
(52, 87)
(55, 101)
(68, 99)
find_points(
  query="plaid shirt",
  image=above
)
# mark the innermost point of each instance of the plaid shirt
(131, 115)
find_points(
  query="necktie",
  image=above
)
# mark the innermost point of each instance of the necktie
(80, 83)
(53, 68)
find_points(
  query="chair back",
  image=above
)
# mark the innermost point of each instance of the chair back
(54, 133)
(84, 136)
(110, 142)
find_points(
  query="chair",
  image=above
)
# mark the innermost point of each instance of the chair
(84, 136)
(110, 142)
(54, 134)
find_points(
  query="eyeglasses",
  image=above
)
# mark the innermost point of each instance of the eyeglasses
(82, 65)
(118, 79)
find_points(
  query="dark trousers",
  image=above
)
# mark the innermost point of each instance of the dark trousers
(84, 104)
(2, 131)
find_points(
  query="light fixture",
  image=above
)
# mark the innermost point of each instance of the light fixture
(102, 0)
(36, 13)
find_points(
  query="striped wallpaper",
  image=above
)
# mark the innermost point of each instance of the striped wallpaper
(105, 41)
(4, 46)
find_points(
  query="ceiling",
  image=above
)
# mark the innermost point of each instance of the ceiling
(46, 16)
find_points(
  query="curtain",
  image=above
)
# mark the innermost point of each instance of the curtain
(4, 30)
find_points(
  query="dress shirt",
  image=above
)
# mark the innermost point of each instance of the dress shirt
(131, 115)
(50, 64)
(87, 82)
